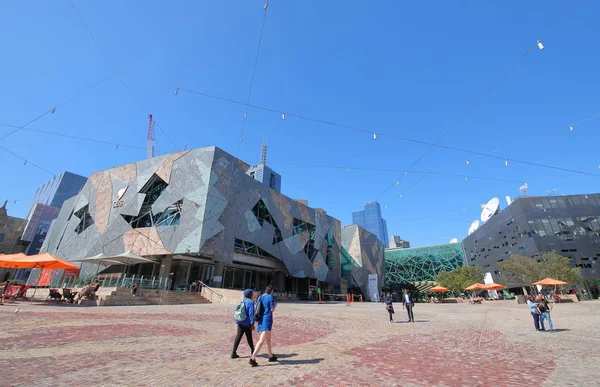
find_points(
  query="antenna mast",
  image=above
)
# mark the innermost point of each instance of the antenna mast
(150, 144)
(263, 153)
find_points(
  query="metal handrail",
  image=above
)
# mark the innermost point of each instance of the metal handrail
(211, 289)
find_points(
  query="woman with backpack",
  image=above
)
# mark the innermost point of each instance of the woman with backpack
(245, 326)
(265, 306)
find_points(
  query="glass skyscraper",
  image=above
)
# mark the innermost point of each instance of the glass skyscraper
(370, 219)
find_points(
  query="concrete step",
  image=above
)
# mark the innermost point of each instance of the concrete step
(123, 296)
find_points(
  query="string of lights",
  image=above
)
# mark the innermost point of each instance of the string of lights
(571, 127)
(89, 31)
(25, 161)
(395, 137)
(399, 170)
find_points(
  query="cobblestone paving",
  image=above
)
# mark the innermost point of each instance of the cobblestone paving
(493, 344)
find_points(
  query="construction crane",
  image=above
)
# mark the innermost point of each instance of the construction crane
(150, 149)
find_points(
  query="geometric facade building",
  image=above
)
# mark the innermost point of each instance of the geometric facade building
(406, 267)
(201, 217)
(362, 254)
(567, 224)
(370, 219)
(11, 229)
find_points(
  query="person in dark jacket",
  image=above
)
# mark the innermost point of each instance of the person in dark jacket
(247, 326)
(408, 303)
(389, 307)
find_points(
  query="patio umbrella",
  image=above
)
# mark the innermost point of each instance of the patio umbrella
(476, 286)
(38, 261)
(439, 289)
(494, 286)
(544, 282)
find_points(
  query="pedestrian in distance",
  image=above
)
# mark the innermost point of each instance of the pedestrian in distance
(134, 289)
(544, 307)
(244, 316)
(389, 306)
(263, 314)
(408, 303)
(535, 313)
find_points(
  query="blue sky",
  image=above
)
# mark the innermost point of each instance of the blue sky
(405, 68)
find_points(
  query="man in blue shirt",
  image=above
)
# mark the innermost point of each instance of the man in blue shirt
(247, 326)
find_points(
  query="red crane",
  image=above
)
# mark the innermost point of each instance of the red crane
(150, 144)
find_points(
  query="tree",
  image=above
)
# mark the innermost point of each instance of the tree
(460, 278)
(521, 270)
(558, 267)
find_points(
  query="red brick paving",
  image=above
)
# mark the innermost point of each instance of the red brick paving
(331, 345)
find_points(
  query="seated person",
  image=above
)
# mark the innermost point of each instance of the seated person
(3, 290)
(54, 295)
(69, 297)
(88, 291)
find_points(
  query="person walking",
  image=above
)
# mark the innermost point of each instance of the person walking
(247, 326)
(389, 307)
(544, 307)
(535, 313)
(266, 305)
(408, 303)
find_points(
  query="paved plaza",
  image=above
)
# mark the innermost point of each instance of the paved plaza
(493, 344)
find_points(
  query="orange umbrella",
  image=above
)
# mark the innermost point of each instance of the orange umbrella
(439, 289)
(494, 286)
(38, 261)
(476, 286)
(549, 282)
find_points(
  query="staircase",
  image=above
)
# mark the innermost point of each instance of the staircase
(123, 297)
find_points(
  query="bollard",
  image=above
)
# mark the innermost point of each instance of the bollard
(361, 299)
(320, 300)
(285, 296)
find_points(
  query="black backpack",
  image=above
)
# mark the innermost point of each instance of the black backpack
(259, 309)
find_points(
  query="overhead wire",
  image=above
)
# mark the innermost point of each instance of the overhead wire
(477, 101)
(568, 127)
(464, 114)
(260, 37)
(382, 134)
(25, 161)
(400, 170)
(89, 31)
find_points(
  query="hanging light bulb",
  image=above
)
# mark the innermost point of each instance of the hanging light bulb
(53, 110)
(283, 116)
(468, 162)
(24, 162)
(245, 114)
(266, 5)
(506, 162)
(540, 45)
(176, 90)
(117, 146)
(466, 178)
(400, 195)
(398, 182)
(374, 136)
(348, 169)
(572, 128)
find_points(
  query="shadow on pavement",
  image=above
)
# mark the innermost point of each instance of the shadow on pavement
(560, 330)
(297, 362)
